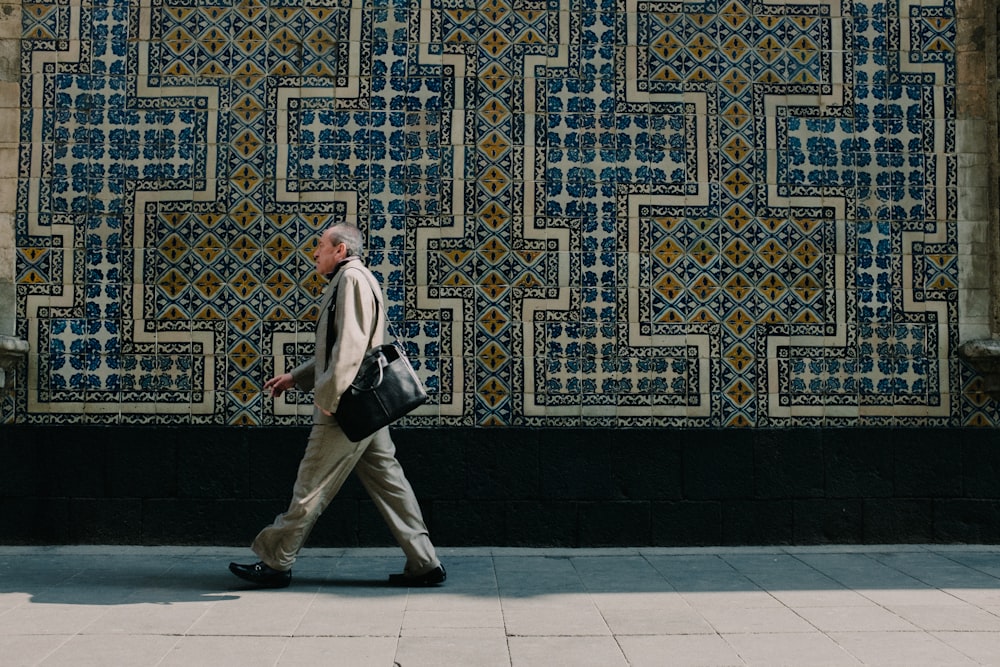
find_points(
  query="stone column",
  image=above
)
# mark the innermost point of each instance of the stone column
(12, 349)
(979, 194)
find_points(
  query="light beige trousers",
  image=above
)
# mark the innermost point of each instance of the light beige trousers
(328, 460)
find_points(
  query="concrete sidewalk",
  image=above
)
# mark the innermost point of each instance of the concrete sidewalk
(888, 605)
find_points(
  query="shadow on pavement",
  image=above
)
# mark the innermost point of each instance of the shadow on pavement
(110, 578)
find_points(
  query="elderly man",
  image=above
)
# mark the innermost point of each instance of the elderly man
(351, 321)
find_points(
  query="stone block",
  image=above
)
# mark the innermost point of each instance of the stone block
(758, 522)
(142, 463)
(788, 463)
(926, 465)
(857, 466)
(686, 523)
(615, 524)
(105, 521)
(898, 521)
(542, 523)
(717, 466)
(967, 521)
(646, 465)
(822, 521)
(469, 523)
(213, 467)
(575, 464)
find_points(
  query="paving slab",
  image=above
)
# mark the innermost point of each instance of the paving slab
(912, 605)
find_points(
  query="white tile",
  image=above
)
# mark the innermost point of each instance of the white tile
(735, 619)
(345, 616)
(539, 619)
(820, 598)
(659, 601)
(25, 650)
(812, 649)
(257, 613)
(745, 599)
(983, 647)
(50, 619)
(9, 601)
(353, 651)
(915, 595)
(148, 619)
(960, 618)
(451, 600)
(900, 649)
(681, 651)
(576, 651)
(235, 651)
(641, 621)
(436, 623)
(850, 619)
(979, 597)
(438, 651)
(104, 650)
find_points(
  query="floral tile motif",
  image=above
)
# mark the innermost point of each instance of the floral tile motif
(583, 212)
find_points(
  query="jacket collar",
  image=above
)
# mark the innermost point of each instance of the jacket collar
(336, 269)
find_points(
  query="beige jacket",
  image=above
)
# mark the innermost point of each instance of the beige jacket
(359, 324)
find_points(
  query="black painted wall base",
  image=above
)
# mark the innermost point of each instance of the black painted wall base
(513, 487)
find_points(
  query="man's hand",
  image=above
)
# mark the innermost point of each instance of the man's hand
(279, 384)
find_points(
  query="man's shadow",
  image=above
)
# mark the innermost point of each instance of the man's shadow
(120, 583)
(115, 584)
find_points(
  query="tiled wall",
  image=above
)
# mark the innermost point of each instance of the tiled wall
(583, 212)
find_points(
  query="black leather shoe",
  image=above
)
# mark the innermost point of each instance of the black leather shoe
(432, 578)
(262, 575)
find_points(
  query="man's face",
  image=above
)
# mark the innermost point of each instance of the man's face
(329, 252)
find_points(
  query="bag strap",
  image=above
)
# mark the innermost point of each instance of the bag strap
(377, 291)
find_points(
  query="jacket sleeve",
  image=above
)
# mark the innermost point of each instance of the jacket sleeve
(354, 321)
(304, 375)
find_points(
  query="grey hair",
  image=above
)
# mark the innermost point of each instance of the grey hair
(349, 235)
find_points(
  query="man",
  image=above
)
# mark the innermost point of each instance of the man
(352, 306)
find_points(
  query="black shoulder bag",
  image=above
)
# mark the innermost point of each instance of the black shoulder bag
(385, 388)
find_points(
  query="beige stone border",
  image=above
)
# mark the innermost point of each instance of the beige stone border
(10, 74)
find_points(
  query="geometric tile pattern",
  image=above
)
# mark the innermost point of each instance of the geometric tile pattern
(615, 213)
